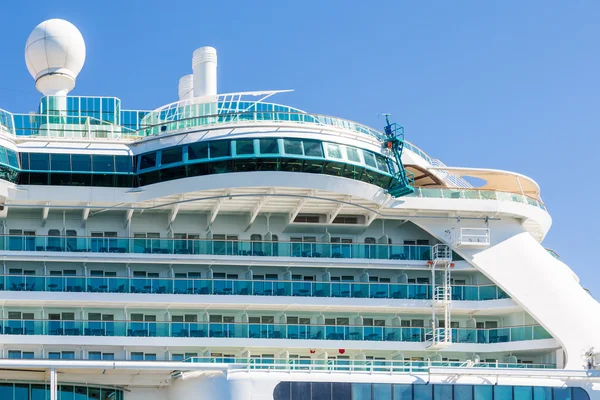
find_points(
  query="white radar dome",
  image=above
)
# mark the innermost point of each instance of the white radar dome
(55, 54)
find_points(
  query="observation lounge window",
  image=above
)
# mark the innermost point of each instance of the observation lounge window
(39, 161)
(353, 154)
(382, 164)
(123, 164)
(197, 151)
(268, 146)
(220, 149)
(292, 146)
(81, 162)
(334, 151)
(370, 159)
(244, 147)
(147, 160)
(60, 162)
(312, 148)
(102, 163)
(171, 156)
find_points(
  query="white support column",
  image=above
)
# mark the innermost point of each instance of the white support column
(53, 385)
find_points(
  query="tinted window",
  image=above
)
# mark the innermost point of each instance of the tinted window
(197, 151)
(147, 160)
(60, 162)
(24, 160)
(268, 146)
(102, 163)
(244, 147)
(220, 149)
(81, 162)
(39, 162)
(12, 158)
(123, 163)
(312, 148)
(370, 159)
(292, 146)
(171, 156)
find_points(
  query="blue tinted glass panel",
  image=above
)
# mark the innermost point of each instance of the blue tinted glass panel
(268, 146)
(12, 158)
(341, 390)
(482, 392)
(361, 391)
(442, 391)
(282, 391)
(523, 393)
(24, 160)
(66, 392)
(321, 391)
(502, 392)
(60, 162)
(6, 391)
(463, 392)
(3, 157)
(147, 160)
(382, 391)
(81, 162)
(102, 163)
(244, 147)
(39, 162)
(580, 394)
(21, 391)
(220, 149)
(562, 394)
(301, 390)
(403, 392)
(197, 151)
(171, 156)
(38, 392)
(422, 392)
(123, 163)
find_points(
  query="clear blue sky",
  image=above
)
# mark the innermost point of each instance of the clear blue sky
(500, 84)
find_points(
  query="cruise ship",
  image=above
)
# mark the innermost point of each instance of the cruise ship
(225, 247)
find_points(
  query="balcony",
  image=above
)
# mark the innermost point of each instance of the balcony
(263, 331)
(213, 247)
(362, 290)
(368, 366)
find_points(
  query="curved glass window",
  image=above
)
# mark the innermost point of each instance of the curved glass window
(388, 391)
(39, 161)
(32, 391)
(171, 156)
(60, 162)
(219, 149)
(80, 162)
(333, 151)
(103, 163)
(293, 146)
(197, 151)
(244, 147)
(147, 160)
(352, 154)
(312, 148)
(268, 146)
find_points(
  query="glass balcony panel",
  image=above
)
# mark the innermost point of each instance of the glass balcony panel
(399, 291)
(488, 292)
(360, 290)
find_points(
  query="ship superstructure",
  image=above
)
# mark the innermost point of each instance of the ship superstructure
(227, 247)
